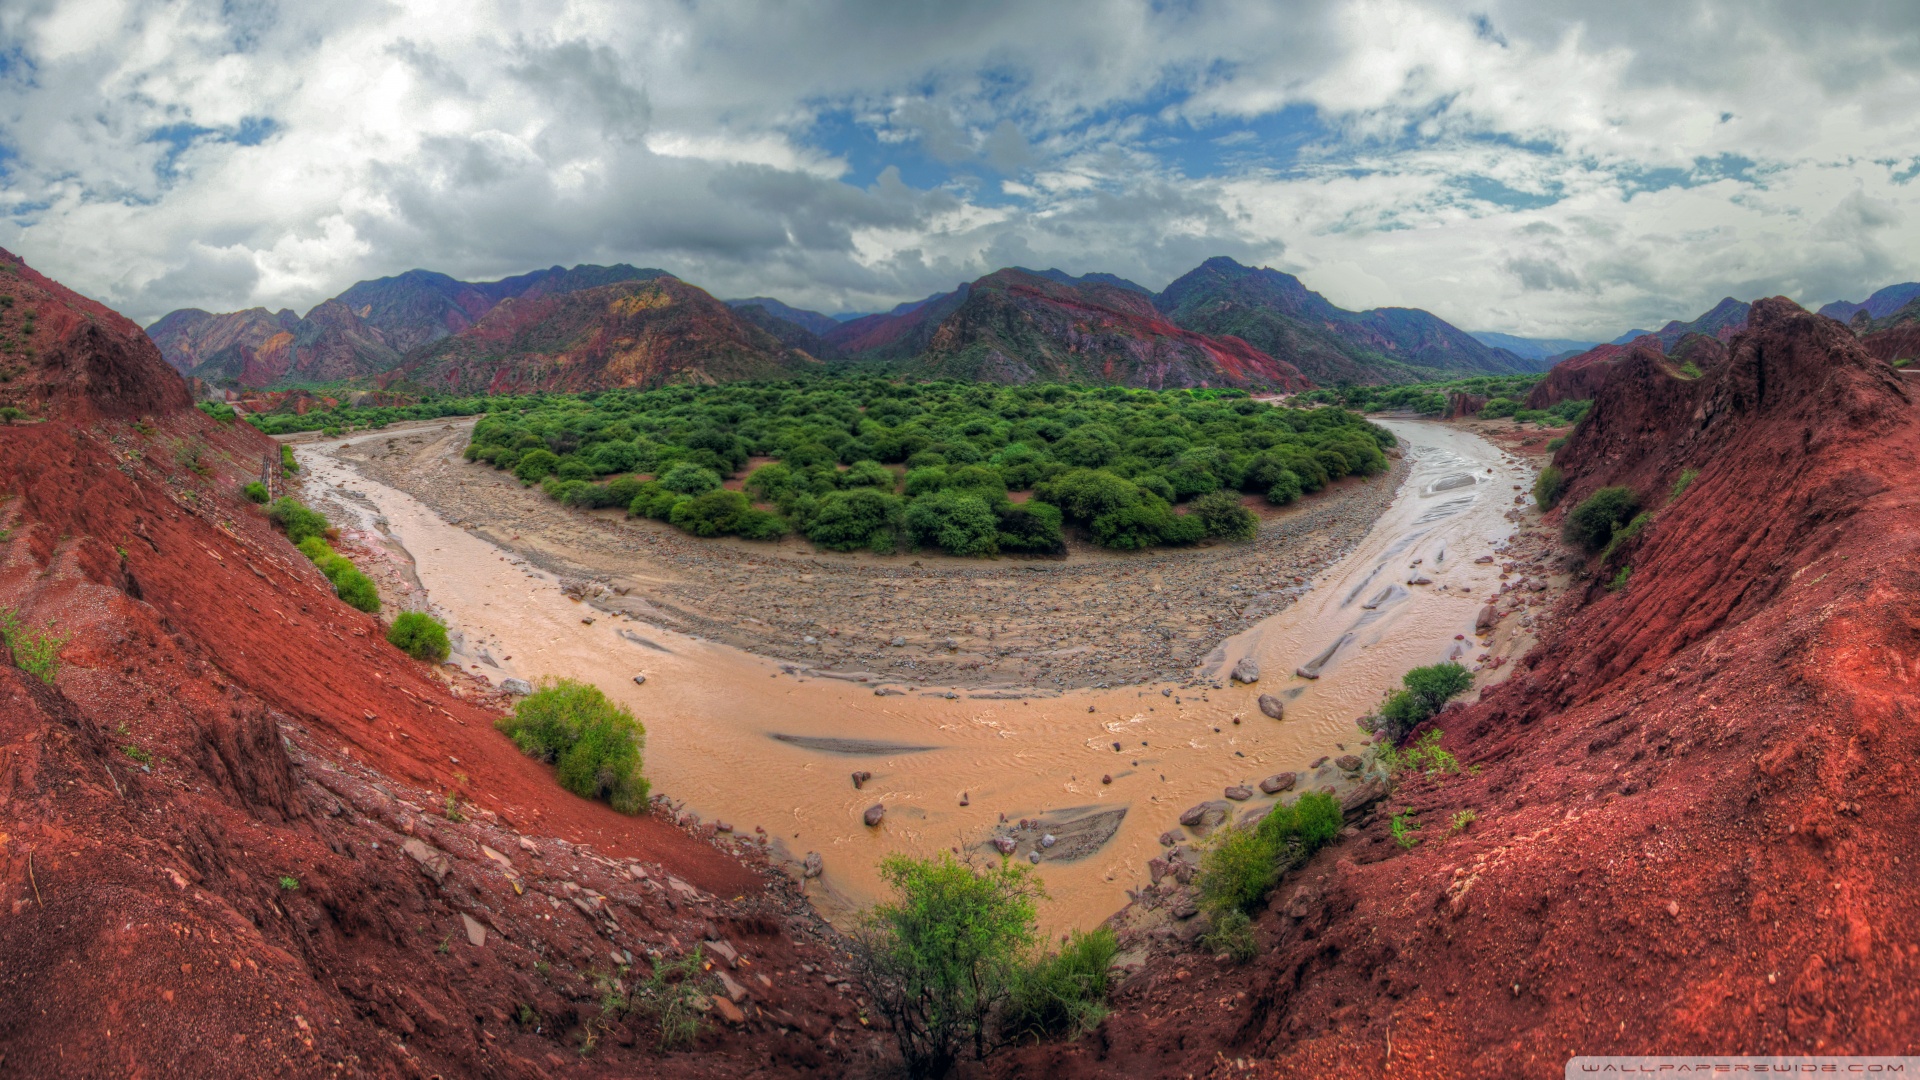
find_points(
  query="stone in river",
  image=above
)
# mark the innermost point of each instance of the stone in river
(1489, 616)
(1247, 670)
(812, 866)
(860, 779)
(1239, 793)
(1273, 707)
(1205, 815)
(874, 814)
(1277, 783)
(639, 680)
(1005, 844)
(1349, 762)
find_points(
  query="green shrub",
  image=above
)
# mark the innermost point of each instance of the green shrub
(1403, 827)
(536, 465)
(1592, 523)
(687, 478)
(1625, 534)
(954, 521)
(420, 636)
(296, 519)
(1684, 482)
(1032, 528)
(1548, 487)
(1620, 579)
(594, 743)
(847, 520)
(36, 652)
(1307, 824)
(941, 959)
(1555, 443)
(675, 996)
(1065, 992)
(1224, 517)
(1232, 934)
(256, 493)
(1498, 407)
(711, 513)
(286, 459)
(1423, 691)
(1236, 869)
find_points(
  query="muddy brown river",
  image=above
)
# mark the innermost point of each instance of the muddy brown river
(1105, 771)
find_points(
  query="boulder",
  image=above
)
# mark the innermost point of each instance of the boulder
(812, 866)
(874, 814)
(516, 686)
(1247, 670)
(1349, 762)
(1488, 618)
(1206, 815)
(1277, 783)
(1273, 707)
(860, 779)
(639, 680)
(1005, 844)
(1239, 793)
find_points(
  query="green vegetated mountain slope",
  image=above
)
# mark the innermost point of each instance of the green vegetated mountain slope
(1277, 314)
(1015, 326)
(631, 333)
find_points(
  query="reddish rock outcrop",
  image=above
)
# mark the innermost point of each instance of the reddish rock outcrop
(1695, 799)
(225, 845)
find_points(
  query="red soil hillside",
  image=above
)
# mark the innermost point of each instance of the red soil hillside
(1696, 798)
(1020, 327)
(223, 842)
(633, 333)
(1579, 378)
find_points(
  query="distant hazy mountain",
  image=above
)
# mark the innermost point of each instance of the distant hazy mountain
(1538, 350)
(811, 321)
(1274, 312)
(631, 333)
(1878, 306)
(1727, 318)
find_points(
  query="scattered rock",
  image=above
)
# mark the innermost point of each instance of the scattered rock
(1273, 707)
(434, 862)
(1247, 670)
(1206, 815)
(1488, 618)
(724, 950)
(1048, 841)
(1005, 844)
(1277, 783)
(1169, 838)
(1239, 793)
(1185, 908)
(860, 779)
(639, 680)
(1106, 778)
(874, 814)
(516, 686)
(735, 992)
(1349, 762)
(728, 1010)
(812, 866)
(898, 642)
(476, 934)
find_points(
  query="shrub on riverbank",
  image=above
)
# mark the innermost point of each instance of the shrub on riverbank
(594, 744)
(1592, 523)
(954, 964)
(1242, 862)
(1423, 691)
(296, 520)
(420, 636)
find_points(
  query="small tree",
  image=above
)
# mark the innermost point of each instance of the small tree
(1224, 517)
(594, 743)
(1591, 524)
(942, 957)
(954, 521)
(10, 413)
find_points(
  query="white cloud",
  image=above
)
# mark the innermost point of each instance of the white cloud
(1543, 167)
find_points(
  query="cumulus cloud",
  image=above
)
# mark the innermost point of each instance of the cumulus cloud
(1542, 167)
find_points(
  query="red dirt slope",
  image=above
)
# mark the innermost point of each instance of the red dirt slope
(1696, 799)
(221, 722)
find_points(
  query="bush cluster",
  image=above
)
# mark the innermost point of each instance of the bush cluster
(1548, 487)
(869, 463)
(1422, 692)
(297, 520)
(1242, 862)
(356, 588)
(256, 492)
(342, 418)
(1426, 398)
(955, 965)
(1593, 523)
(594, 744)
(420, 636)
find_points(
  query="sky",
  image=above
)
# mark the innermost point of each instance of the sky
(1546, 168)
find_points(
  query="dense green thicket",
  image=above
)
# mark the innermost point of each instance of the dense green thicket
(594, 744)
(344, 418)
(1428, 398)
(955, 965)
(1592, 523)
(869, 463)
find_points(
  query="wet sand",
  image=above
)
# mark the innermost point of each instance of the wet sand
(713, 711)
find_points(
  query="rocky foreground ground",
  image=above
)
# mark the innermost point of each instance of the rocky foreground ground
(1093, 618)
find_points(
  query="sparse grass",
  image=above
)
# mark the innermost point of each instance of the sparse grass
(1681, 485)
(1461, 822)
(594, 743)
(452, 809)
(672, 997)
(36, 652)
(1064, 992)
(1620, 579)
(1403, 828)
(1691, 370)
(289, 883)
(1425, 755)
(136, 755)
(1904, 361)
(1625, 534)
(446, 945)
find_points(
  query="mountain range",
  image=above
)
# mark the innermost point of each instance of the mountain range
(1222, 324)
(1727, 318)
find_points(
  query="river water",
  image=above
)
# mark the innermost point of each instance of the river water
(742, 742)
